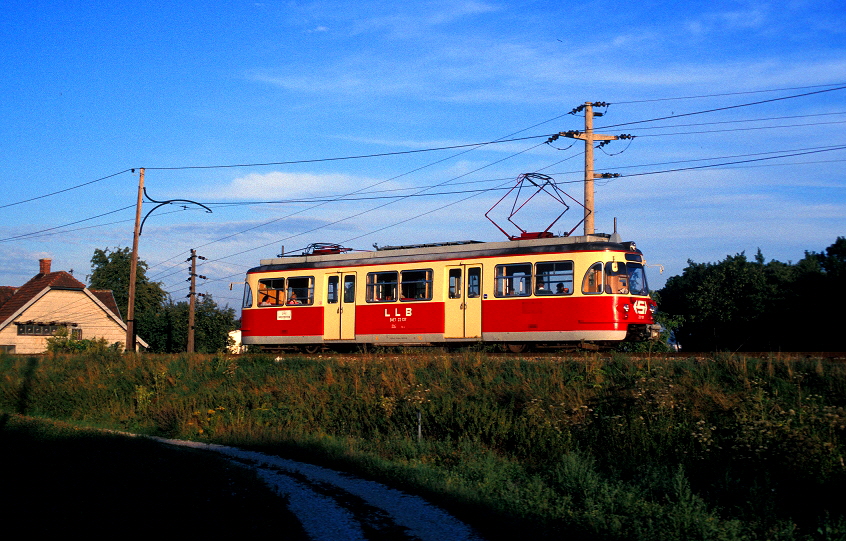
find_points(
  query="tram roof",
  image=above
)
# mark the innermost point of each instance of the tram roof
(463, 250)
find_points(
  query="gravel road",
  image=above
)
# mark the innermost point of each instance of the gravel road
(334, 506)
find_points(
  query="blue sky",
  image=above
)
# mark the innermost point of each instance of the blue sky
(93, 89)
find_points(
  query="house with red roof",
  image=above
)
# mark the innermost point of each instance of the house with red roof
(50, 301)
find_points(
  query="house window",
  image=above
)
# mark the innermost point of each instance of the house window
(7, 349)
(38, 329)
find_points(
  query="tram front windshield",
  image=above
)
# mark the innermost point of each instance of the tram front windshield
(625, 278)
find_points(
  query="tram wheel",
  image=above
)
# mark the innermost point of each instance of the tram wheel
(311, 349)
(517, 347)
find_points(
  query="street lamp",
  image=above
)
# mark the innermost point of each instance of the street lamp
(133, 266)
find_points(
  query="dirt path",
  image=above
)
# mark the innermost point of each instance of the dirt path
(334, 506)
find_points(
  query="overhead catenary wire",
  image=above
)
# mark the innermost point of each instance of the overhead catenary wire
(706, 166)
(474, 147)
(724, 108)
(65, 189)
(365, 211)
(752, 158)
(726, 94)
(661, 118)
(42, 232)
(422, 150)
(61, 229)
(839, 86)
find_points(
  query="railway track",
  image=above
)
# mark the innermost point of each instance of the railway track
(836, 356)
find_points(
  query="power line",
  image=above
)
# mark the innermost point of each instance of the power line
(474, 147)
(726, 94)
(751, 128)
(840, 86)
(64, 190)
(371, 210)
(725, 108)
(341, 158)
(478, 192)
(751, 160)
(368, 210)
(53, 230)
(743, 120)
(27, 235)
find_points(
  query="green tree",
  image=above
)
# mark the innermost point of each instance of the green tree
(167, 327)
(110, 270)
(737, 304)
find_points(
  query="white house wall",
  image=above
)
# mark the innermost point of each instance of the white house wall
(63, 306)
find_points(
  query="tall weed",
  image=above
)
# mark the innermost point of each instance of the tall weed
(726, 447)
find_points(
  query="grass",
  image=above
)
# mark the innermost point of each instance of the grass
(726, 447)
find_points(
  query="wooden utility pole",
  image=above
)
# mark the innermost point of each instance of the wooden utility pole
(133, 269)
(192, 297)
(589, 137)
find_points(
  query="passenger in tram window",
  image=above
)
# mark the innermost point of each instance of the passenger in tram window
(560, 289)
(269, 297)
(542, 290)
(293, 299)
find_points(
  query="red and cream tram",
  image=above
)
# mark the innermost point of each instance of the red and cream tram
(536, 291)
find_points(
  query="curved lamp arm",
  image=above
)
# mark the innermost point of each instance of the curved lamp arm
(163, 203)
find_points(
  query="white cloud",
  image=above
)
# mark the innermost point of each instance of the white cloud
(281, 186)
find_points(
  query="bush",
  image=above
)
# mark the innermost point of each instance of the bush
(62, 342)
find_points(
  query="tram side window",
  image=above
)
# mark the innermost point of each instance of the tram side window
(454, 286)
(616, 278)
(271, 292)
(349, 288)
(332, 290)
(416, 285)
(382, 286)
(514, 280)
(248, 297)
(554, 278)
(474, 282)
(300, 290)
(592, 282)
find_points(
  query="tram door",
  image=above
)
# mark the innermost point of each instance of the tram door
(339, 318)
(463, 302)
